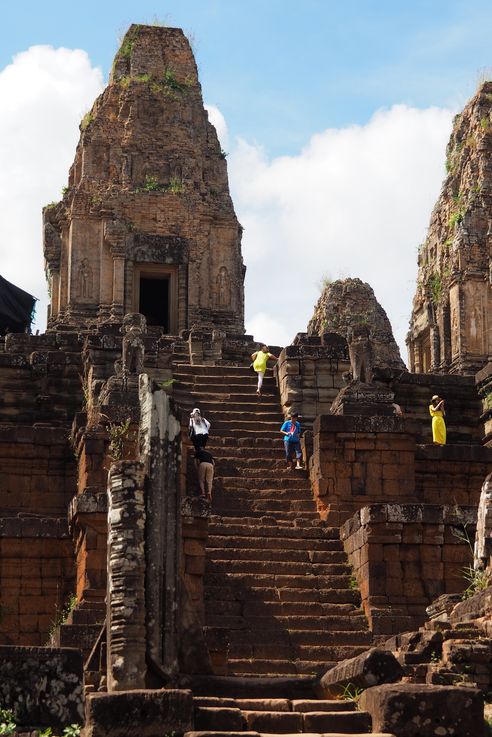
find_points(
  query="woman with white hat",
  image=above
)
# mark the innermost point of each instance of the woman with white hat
(437, 412)
(198, 429)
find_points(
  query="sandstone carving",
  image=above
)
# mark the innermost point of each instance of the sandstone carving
(450, 324)
(223, 288)
(360, 353)
(85, 279)
(483, 537)
(134, 328)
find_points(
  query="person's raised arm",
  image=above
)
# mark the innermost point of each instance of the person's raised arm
(253, 356)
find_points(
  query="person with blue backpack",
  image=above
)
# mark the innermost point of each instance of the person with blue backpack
(291, 430)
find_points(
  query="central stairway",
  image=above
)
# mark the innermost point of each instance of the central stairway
(280, 604)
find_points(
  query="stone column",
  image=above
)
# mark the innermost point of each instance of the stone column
(435, 350)
(55, 293)
(160, 448)
(126, 575)
(118, 285)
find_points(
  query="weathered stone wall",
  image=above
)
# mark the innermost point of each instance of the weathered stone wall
(36, 577)
(357, 461)
(450, 324)
(40, 389)
(483, 380)
(413, 392)
(310, 374)
(405, 556)
(148, 198)
(44, 687)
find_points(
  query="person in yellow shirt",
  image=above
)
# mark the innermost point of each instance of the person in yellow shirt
(437, 412)
(260, 360)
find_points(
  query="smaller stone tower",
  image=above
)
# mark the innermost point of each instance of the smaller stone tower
(451, 328)
(347, 306)
(147, 223)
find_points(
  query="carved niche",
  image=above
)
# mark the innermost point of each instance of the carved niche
(84, 280)
(223, 288)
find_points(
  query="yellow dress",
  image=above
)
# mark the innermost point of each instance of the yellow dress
(438, 426)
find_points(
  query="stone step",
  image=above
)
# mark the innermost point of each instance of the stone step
(220, 370)
(316, 532)
(278, 567)
(285, 543)
(251, 433)
(279, 517)
(241, 409)
(269, 668)
(237, 489)
(330, 557)
(81, 636)
(86, 615)
(249, 733)
(189, 398)
(253, 468)
(274, 622)
(329, 596)
(300, 705)
(223, 718)
(241, 503)
(326, 625)
(353, 645)
(230, 591)
(254, 688)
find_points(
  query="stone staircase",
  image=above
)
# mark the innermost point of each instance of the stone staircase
(280, 606)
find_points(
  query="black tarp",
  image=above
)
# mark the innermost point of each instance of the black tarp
(16, 308)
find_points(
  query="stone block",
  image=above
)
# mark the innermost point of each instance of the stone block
(412, 710)
(44, 687)
(371, 667)
(146, 713)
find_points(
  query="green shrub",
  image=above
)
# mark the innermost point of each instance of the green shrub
(86, 121)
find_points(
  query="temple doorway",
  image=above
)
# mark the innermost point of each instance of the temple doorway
(154, 300)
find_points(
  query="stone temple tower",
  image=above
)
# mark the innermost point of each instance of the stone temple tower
(147, 223)
(451, 323)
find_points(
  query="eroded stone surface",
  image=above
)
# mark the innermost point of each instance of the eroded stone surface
(368, 669)
(449, 327)
(44, 687)
(150, 713)
(348, 307)
(410, 710)
(147, 199)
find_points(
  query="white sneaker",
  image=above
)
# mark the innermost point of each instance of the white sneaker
(299, 467)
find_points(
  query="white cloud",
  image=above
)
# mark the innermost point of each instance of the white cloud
(268, 330)
(218, 120)
(355, 202)
(44, 92)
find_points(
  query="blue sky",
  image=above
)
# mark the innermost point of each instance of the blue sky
(281, 69)
(335, 116)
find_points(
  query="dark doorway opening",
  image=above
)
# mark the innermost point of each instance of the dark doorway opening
(154, 301)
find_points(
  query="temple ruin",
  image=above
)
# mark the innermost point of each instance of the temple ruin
(450, 329)
(146, 223)
(347, 598)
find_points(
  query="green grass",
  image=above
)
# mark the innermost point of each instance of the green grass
(86, 121)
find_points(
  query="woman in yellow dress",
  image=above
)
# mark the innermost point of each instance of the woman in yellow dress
(437, 412)
(260, 360)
